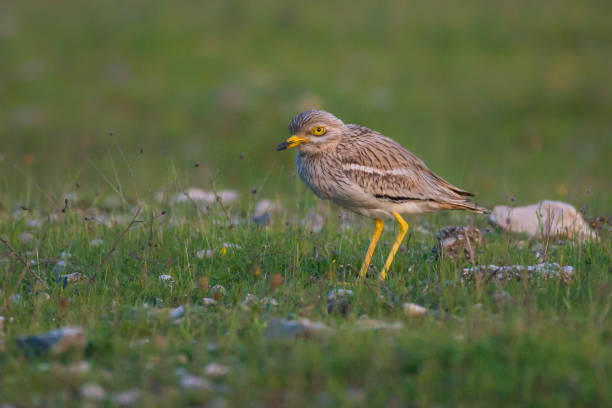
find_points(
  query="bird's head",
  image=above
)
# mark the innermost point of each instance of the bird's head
(313, 131)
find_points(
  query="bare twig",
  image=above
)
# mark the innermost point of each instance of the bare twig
(23, 261)
(119, 238)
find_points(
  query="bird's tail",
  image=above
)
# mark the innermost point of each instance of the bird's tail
(467, 206)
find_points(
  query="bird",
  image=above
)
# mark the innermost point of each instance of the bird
(370, 174)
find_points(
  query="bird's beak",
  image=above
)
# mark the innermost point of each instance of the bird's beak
(291, 142)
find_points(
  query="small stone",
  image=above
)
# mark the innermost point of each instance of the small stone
(414, 310)
(263, 219)
(191, 382)
(25, 237)
(206, 301)
(165, 278)
(452, 242)
(366, 323)
(249, 300)
(59, 267)
(128, 397)
(59, 341)
(93, 392)
(283, 329)
(204, 253)
(96, 242)
(177, 312)
(265, 206)
(216, 370)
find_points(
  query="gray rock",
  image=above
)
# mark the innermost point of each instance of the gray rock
(192, 382)
(284, 329)
(128, 397)
(263, 219)
(59, 341)
(545, 270)
(453, 242)
(177, 312)
(216, 370)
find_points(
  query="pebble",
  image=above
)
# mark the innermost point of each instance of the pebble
(93, 392)
(204, 253)
(505, 273)
(96, 242)
(249, 300)
(192, 382)
(206, 301)
(218, 290)
(216, 370)
(58, 341)
(165, 278)
(367, 323)
(284, 329)
(177, 312)
(413, 309)
(128, 397)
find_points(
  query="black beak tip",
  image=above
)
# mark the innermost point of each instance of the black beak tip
(282, 146)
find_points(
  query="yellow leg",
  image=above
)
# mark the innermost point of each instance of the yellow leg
(366, 263)
(403, 229)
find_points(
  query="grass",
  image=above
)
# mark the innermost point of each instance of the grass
(109, 104)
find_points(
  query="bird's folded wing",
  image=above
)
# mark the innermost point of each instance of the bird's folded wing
(383, 168)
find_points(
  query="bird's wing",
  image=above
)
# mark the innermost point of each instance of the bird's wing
(383, 168)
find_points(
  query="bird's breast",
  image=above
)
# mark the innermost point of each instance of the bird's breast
(319, 174)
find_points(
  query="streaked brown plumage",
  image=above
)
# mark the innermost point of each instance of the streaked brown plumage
(368, 173)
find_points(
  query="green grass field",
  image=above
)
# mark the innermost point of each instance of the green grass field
(120, 107)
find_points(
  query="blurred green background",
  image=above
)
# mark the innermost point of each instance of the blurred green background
(501, 99)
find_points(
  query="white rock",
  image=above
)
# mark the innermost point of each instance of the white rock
(206, 301)
(541, 219)
(264, 206)
(191, 382)
(93, 392)
(412, 309)
(216, 370)
(164, 278)
(96, 242)
(197, 194)
(204, 253)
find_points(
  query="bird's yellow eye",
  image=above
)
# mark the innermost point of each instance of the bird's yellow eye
(318, 130)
